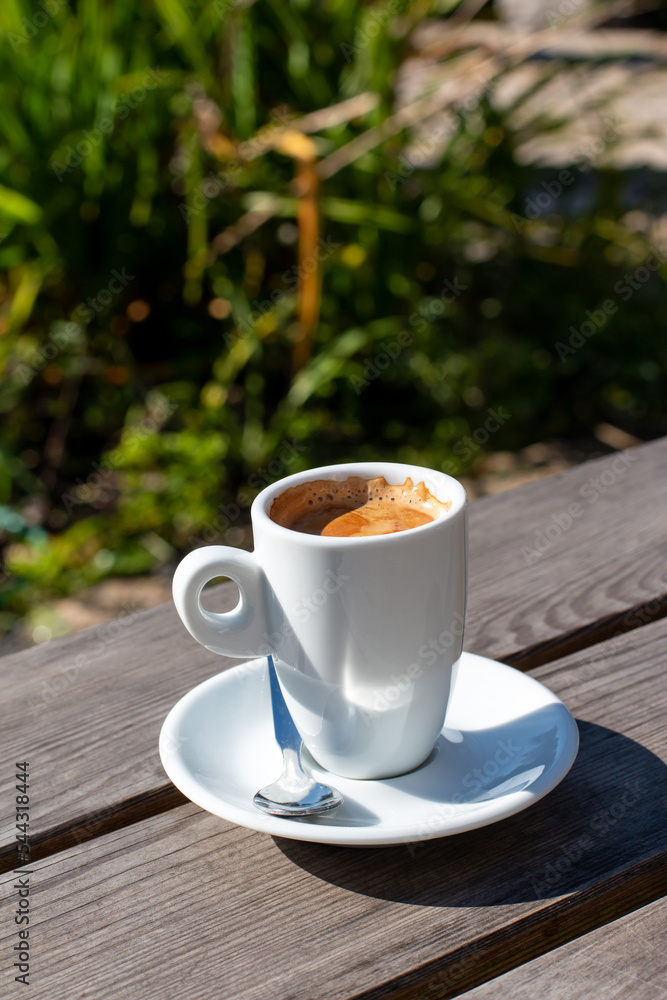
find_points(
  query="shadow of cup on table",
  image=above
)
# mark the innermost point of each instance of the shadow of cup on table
(607, 813)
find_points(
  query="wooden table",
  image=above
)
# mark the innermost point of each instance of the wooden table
(136, 893)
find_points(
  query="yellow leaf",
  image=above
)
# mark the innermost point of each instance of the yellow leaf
(297, 145)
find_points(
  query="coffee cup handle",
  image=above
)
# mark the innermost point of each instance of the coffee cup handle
(240, 632)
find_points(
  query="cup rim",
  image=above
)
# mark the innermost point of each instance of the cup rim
(392, 471)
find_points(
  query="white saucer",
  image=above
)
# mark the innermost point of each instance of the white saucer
(507, 742)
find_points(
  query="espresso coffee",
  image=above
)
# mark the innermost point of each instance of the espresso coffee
(355, 507)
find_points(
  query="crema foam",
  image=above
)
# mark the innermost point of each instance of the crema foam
(356, 507)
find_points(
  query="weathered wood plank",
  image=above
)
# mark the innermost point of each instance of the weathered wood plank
(90, 706)
(602, 529)
(185, 902)
(626, 958)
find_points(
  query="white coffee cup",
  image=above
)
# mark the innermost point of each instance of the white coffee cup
(365, 631)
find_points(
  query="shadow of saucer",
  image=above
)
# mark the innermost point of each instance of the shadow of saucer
(607, 813)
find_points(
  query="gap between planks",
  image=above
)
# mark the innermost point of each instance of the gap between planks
(608, 627)
(531, 936)
(89, 826)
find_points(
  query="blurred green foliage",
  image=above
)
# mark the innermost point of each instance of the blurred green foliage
(148, 390)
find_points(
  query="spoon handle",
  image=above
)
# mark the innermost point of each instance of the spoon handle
(287, 734)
